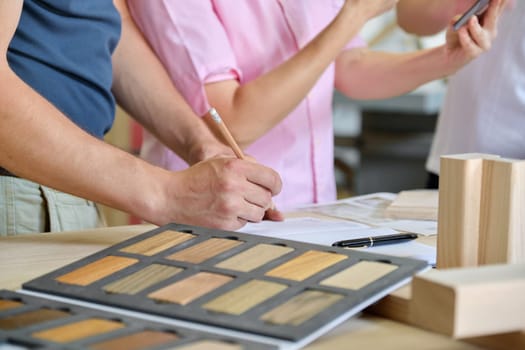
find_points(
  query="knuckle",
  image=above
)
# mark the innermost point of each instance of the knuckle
(231, 165)
(226, 208)
(227, 185)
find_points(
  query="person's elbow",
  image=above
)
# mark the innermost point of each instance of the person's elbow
(423, 24)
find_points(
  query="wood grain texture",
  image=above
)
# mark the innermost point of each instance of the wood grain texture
(31, 318)
(142, 279)
(470, 302)
(9, 304)
(137, 341)
(23, 258)
(78, 330)
(244, 297)
(96, 270)
(205, 250)
(27, 260)
(359, 275)
(306, 265)
(301, 308)
(191, 288)
(459, 209)
(502, 226)
(158, 243)
(254, 257)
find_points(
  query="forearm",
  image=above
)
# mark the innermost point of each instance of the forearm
(40, 144)
(149, 96)
(269, 98)
(425, 17)
(365, 74)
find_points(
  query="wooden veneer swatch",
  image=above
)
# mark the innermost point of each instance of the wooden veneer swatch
(205, 250)
(6, 304)
(208, 345)
(191, 288)
(30, 318)
(142, 279)
(301, 308)
(306, 265)
(158, 243)
(244, 297)
(78, 330)
(136, 341)
(359, 275)
(254, 257)
(96, 270)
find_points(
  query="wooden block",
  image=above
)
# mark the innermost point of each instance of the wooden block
(395, 306)
(470, 302)
(459, 209)
(502, 221)
(414, 205)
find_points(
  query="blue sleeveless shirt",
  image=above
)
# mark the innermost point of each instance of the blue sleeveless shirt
(62, 49)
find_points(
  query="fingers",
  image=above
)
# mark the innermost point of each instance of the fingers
(273, 215)
(257, 215)
(223, 193)
(479, 36)
(474, 39)
(253, 190)
(270, 214)
(263, 176)
(491, 16)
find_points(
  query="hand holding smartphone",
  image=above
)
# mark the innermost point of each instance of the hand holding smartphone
(477, 9)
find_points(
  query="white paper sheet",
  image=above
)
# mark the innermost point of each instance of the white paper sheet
(370, 209)
(327, 231)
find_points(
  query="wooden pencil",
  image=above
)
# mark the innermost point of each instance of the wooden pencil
(226, 133)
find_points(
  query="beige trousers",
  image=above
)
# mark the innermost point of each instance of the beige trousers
(27, 207)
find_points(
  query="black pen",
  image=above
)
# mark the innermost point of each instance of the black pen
(372, 241)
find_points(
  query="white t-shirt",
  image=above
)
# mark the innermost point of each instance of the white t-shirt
(484, 110)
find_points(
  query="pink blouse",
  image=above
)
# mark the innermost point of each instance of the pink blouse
(203, 41)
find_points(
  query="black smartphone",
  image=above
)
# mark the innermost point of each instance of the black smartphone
(477, 9)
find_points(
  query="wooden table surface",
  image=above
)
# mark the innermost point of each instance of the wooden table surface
(23, 258)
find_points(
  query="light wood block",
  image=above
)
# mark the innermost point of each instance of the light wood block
(502, 225)
(397, 306)
(470, 302)
(459, 209)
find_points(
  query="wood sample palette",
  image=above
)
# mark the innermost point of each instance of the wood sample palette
(31, 322)
(284, 291)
